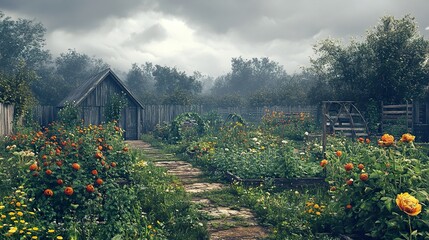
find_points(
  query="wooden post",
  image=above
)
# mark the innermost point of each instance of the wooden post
(324, 129)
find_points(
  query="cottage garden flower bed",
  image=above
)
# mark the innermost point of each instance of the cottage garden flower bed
(84, 183)
(376, 188)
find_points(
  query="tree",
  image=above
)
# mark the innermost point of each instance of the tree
(177, 87)
(15, 89)
(47, 87)
(390, 65)
(21, 41)
(140, 81)
(249, 76)
(75, 68)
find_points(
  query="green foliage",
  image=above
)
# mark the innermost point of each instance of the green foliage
(15, 89)
(116, 194)
(390, 63)
(69, 115)
(176, 87)
(248, 76)
(114, 106)
(22, 41)
(366, 205)
(140, 81)
(187, 126)
(292, 214)
(293, 126)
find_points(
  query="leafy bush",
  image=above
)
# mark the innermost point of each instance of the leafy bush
(83, 183)
(365, 182)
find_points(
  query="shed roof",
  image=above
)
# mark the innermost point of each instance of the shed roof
(80, 93)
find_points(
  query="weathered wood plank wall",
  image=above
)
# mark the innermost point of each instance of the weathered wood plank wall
(6, 119)
(157, 114)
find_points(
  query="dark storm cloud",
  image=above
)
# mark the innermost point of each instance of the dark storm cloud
(257, 20)
(205, 34)
(72, 15)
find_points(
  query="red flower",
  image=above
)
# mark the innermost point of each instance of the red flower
(348, 166)
(90, 188)
(48, 193)
(361, 166)
(98, 155)
(364, 176)
(113, 164)
(48, 172)
(323, 163)
(94, 172)
(60, 181)
(33, 167)
(68, 191)
(99, 181)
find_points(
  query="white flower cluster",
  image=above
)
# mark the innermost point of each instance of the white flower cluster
(27, 153)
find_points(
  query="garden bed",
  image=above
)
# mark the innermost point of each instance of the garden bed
(279, 182)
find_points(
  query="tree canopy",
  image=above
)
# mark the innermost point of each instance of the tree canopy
(390, 65)
(21, 41)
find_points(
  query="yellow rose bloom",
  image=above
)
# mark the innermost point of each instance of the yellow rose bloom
(408, 204)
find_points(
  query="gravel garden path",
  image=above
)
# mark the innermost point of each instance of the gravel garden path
(225, 222)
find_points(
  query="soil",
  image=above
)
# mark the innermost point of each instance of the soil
(226, 223)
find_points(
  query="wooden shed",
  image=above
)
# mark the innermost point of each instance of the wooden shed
(94, 94)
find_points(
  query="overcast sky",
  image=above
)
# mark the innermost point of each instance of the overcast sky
(203, 35)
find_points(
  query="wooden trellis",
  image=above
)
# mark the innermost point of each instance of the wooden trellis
(343, 118)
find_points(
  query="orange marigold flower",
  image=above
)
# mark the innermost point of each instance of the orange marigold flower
(323, 163)
(76, 166)
(348, 166)
(408, 204)
(339, 153)
(48, 193)
(364, 176)
(386, 140)
(68, 191)
(99, 181)
(407, 137)
(361, 166)
(33, 167)
(98, 155)
(90, 188)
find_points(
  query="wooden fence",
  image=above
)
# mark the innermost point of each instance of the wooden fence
(6, 119)
(411, 117)
(158, 114)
